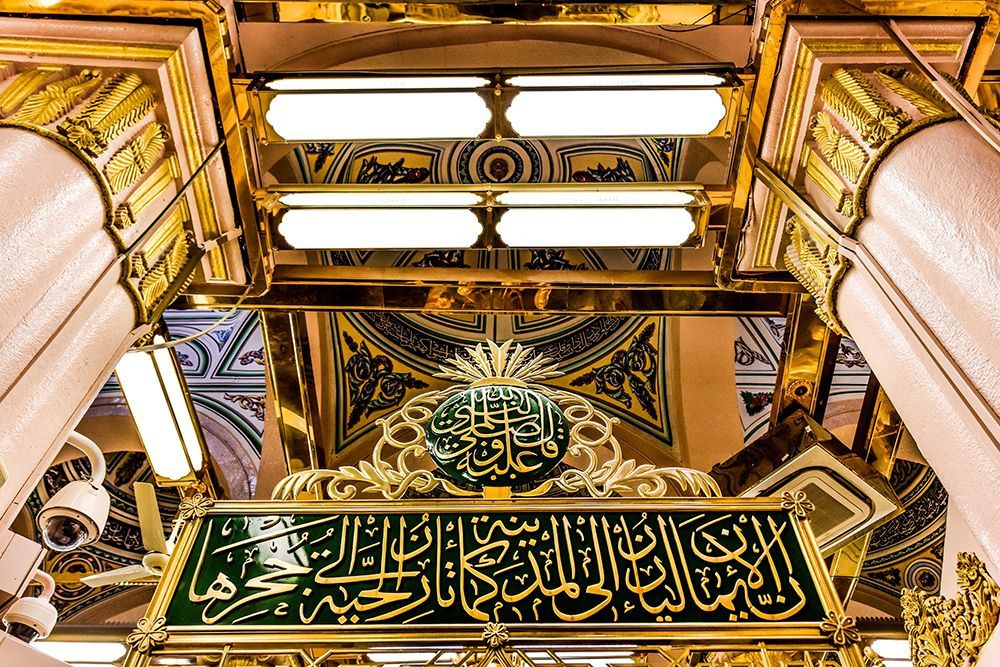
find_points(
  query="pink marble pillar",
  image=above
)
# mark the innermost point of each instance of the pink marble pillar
(922, 301)
(65, 317)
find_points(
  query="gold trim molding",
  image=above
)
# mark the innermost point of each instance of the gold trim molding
(945, 632)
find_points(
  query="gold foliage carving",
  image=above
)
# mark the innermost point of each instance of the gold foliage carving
(56, 99)
(843, 154)
(152, 281)
(842, 630)
(23, 86)
(604, 471)
(403, 432)
(119, 104)
(128, 165)
(945, 632)
(914, 88)
(149, 633)
(816, 265)
(855, 99)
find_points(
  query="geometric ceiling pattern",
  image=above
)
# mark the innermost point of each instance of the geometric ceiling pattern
(757, 347)
(907, 552)
(388, 357)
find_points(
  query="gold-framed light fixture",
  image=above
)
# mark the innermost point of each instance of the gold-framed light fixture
(164, 416)
(573, 103)
(568, 215)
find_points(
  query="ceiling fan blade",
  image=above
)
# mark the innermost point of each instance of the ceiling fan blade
(150, 523)
(121, 575)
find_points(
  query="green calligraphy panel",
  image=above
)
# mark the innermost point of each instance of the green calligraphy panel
(426, 569)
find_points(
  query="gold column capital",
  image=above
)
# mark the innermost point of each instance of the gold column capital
(108, 121)
(952, 631)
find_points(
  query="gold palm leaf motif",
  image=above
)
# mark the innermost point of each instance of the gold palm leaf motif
(914, 88)
(845, 156)
(128, 165)
(57, 98)
(120, 103)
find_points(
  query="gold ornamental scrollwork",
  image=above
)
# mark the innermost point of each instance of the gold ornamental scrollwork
(600, 469)
(798, 503)
(194, 507)
(945, 631)
(149, 634)
(842, 630)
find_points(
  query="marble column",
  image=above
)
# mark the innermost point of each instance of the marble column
(902, 254)
(921, 302)
(83, 267)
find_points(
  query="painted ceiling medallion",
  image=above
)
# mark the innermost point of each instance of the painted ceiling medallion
(499, 431)
(497, 428)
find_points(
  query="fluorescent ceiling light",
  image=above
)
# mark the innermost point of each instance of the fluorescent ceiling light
(82, 652)
(378, 115)
(370, 229)
(382, 199)
(619, 113)
(378, 83)
(615, 80)
(595, 227)
(897, 649)
(154, 391)
(596, 197)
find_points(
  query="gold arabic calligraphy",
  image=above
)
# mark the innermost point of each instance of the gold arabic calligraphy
(498, 435)
(448, 568)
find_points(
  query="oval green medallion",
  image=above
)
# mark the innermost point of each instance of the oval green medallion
(497, 435)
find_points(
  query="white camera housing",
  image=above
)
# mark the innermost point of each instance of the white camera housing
(30, 618)
(74, 516)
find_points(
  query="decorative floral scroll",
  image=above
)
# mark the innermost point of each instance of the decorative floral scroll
(603, 472)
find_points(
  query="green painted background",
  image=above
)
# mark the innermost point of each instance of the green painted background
(348, 570)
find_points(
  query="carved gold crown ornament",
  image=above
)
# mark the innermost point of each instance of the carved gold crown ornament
(946, 632)
(498, 429)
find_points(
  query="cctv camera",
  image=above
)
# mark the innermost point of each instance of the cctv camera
(28, 618)
(74, 516)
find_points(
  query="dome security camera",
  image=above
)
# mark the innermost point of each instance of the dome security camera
(30, 618)
(76, 514)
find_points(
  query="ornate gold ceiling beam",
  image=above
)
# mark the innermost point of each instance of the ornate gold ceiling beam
(305, 287)
(288, 364)
(808, 359)
(615, 13)
(755, 268)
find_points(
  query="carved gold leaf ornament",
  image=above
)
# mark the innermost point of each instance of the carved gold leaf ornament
(798, 503)
(120, 103)
(842, 630)
(945, 632)
(843, 154)
(914, 88)
(127, 166)
(148, 634)
(23, 86)
(855, 99)
(818, 266)
(56, 99)
(603, 472)
(194, 507)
